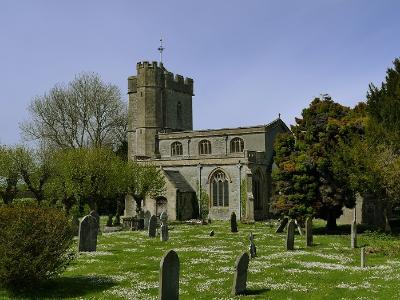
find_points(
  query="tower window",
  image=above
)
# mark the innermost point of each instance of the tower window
(204, 147)
(219, 189)
(237, 145)
(179, 115)
(176, 149)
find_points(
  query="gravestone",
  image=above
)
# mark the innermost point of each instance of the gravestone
(95, 215)
(147, 216)
(240, 276)
(140, 221)
(252, 247)
(169, 276)
(87, 234)
(282, 225)
(298, 227)
(152, 226)
(354, 231)
(290, 235)
(233, 223)
(212, 233)
(164, 226)
(309, 234)
(363, 258)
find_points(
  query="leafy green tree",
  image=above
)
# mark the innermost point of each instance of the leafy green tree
(144, 179)
(9, 175)
(305, 182)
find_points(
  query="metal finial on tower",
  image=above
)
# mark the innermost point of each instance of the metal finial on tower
(279, 115)
(161, 49)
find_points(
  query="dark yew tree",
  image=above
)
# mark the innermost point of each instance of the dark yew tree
(305, 181)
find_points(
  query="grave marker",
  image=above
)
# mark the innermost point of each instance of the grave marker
(87, 234)
(290, 235)
(240, 276)
(169, 276)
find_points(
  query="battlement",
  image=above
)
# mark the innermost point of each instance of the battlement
(178, 83)
(148, 65)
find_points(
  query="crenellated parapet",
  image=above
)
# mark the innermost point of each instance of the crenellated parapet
(153, 74)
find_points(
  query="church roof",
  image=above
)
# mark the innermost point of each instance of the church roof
(178, 181)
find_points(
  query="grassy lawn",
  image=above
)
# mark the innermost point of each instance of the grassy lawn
(126, 266)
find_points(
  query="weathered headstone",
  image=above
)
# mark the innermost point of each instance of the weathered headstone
(363, 258)
(233, 223)
(252, 247)
(354, 231)
(282, 225)
(309, 233)
(95, 215)
(212, 233)
(147, 216)
(240, 276)
(290, 235)
(169, 276)
(298, 227)
(152, 226)
(164, 226)
(87, 234)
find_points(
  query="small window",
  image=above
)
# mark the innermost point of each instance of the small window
(204, 147)
(219, 189)
(176, 149)
(237, 145)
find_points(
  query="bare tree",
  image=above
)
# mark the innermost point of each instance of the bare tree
(86, 112)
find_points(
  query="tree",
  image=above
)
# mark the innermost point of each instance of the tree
(144, 179)
(86, 112)
(34, 168)
(305, 182)
(9, 175)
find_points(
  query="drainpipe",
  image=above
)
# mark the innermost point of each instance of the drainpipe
(200, 167)
(240, 189)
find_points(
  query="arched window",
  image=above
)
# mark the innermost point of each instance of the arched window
(204, 147)
(176, 149)
(237, 145)
(219, 189)
(179, 115)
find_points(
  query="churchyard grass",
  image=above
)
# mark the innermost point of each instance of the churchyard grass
(126, 265)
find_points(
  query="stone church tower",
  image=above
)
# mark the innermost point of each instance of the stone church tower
(158, 102)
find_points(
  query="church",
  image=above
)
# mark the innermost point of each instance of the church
(208, 173)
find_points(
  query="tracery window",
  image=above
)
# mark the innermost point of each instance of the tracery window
(237, 145)
(219, 189)
(205, 147)
(176, 149)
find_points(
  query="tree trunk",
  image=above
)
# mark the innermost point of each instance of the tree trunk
(138, 201)
(331, 222)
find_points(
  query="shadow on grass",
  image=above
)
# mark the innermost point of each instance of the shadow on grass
(254, 292)
(67, 287)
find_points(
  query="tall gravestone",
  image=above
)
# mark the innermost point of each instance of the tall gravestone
(252, 247)
(240, 276)
(164, 227)
(282, 225)
(147, 216)
(169, 276)
(354, 231)
(152, 226)
(309, 233)
(87, 234)
(290, 235)
(233, 223)
(363, 258)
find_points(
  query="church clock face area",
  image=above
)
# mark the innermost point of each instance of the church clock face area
(220, 170)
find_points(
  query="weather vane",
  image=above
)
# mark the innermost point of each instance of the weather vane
(161, 49)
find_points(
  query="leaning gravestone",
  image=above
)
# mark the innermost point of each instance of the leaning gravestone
(298, 227)
(169, 276)
(290, 236)
(252, 247)
(147, 216)
(153, 226)
(309, 236)
(164, 226)
(88, 234)
(240, 276)
(282, 225)
(233, 223)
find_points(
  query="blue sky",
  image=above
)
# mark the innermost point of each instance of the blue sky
(250, 59)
